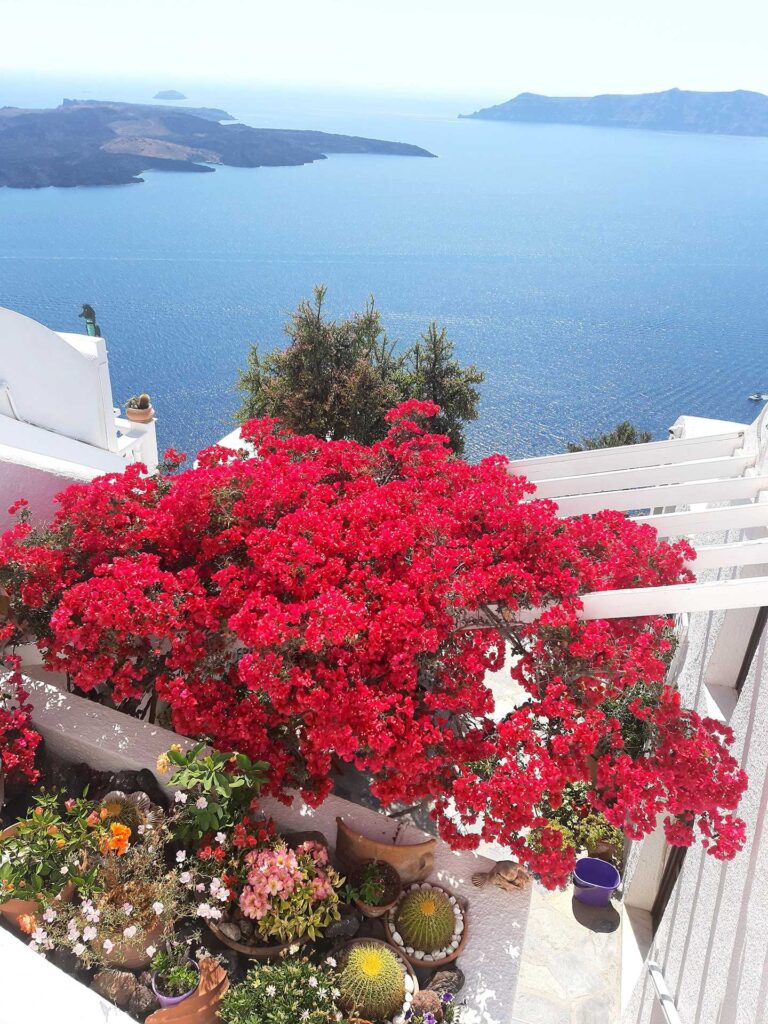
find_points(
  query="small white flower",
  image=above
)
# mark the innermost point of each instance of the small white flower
(270, 990)
(185, 877)
(130, 931)
(141, 829)
(34, 947)
(89, 933)
(50, 915)
(204, 910)
(39, 935)
(180, 798)
(158, 907)
(330, 961)
(200, 887)
(181, 856)
(336, 993)
(127, 908)
(312, 982)
(78, 949)
(201, 803)
(108, 946)
(293, 948)
(221, 838)
(150, 950)
(64, 870)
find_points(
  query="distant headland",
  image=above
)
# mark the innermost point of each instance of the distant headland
(676, 110)
(95, 142)
(169, 94)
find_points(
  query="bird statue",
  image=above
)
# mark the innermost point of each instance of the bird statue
(89, 315)
(506, 874)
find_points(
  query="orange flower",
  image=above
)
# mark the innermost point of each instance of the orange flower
(118, 839)
(27, 923)
(52, 830)
(103, 813)
(60, 843)
(38, 811)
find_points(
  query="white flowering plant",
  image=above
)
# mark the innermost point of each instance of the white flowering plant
(214, 789)
(292, 990)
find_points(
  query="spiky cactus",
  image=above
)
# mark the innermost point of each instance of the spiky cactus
(371, 981)
(425, 920)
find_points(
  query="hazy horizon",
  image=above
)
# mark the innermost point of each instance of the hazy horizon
(491, 50)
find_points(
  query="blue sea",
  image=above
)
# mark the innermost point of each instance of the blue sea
(595, 275)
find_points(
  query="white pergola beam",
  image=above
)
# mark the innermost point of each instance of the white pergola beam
(683, 597)
(645, 476)
(712, 520)
(724, 556)
(631, 456)
(696, 492)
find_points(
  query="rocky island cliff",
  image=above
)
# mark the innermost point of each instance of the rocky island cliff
(676, 110)
(93, 142)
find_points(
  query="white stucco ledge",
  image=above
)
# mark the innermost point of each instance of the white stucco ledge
(76, 729)
(34, 991)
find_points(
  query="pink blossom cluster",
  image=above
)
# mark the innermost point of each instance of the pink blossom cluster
(278, 872)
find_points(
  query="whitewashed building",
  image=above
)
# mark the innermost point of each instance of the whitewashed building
(58, 423)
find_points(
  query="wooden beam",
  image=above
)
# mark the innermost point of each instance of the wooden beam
(645, 476)
(712, 520)
(547, 467)
(683, 597)
(723, 556)
(696, 492)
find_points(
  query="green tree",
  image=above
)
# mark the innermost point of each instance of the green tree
(337, 379)
(436, 376)
(623, 433)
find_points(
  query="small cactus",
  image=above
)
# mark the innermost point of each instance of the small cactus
(425, 919)
(371, 981)
(138, 402)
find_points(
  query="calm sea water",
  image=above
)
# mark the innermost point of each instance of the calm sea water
(595, 275)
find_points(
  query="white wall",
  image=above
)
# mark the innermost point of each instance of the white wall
(56, 381)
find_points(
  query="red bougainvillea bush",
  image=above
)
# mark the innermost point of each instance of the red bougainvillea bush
(18, 740)
(328, 603)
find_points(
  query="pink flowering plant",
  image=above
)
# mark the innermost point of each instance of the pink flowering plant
(291, 893)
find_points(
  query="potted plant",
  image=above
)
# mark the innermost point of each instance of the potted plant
(428, 925)
(45, 856)
(433, 1008)
(175, 975)
(375, 983)
(286, 992)
(139, 409)
(374, 887)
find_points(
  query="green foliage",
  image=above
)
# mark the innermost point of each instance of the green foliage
(425, 919)
(337, 379)
(227, 782)
(623, 433)
(48, 850)
(371, 981)
(582, 827)
(375, 883)
(286, 992)
(174, 966)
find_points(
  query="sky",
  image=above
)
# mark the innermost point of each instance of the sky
(495, 48)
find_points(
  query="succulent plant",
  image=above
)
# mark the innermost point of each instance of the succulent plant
(371, 981)
(427, 1002)
(138, 402)
(425, 919)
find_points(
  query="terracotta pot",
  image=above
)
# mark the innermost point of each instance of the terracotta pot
(396, 886)
(256, 952)
(202, 1006)
(13, 909)
(413, 862)
(132, 953)
(462, 905)
(140, 415)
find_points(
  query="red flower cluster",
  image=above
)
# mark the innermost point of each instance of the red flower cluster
(18, 740)
(319, 604)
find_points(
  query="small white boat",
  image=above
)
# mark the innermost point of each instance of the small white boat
(758, 397)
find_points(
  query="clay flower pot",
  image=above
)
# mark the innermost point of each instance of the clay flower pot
(13, 909)
(132, 953)
(390, 878)
(270, 952)
(166, 1001)
(413, 862)
(390, 929)
(140, 415)
(200, 1007)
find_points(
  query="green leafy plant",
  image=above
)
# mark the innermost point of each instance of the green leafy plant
(582, 827)
(176, 973)
(375, 883)
(289, 991)
(217, 788)
(370, 980)
(49, 849)
(425, 919)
